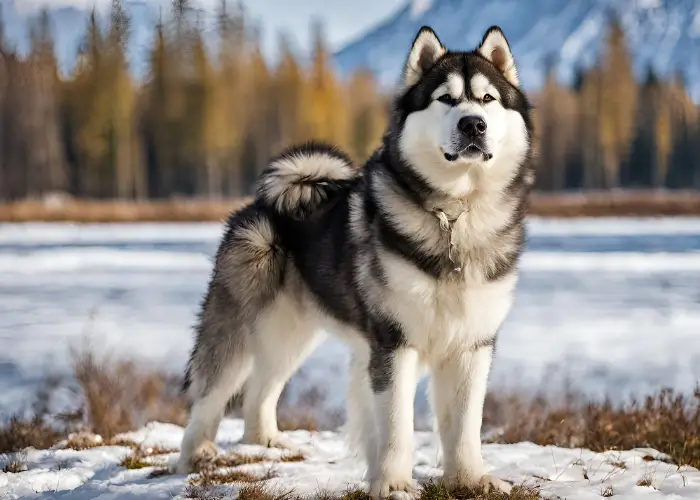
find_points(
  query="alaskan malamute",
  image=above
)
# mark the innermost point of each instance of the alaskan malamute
(411, 259)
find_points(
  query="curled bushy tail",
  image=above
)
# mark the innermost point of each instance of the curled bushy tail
(303, 178)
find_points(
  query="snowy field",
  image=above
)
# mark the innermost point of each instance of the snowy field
(613, 305)
(572, 474)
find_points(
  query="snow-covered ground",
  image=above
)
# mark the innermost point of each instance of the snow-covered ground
(614, 305)
(573, 474)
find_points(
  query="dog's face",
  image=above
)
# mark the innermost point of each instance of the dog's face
(462, 113)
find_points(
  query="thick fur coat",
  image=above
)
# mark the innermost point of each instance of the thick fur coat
(412, 259)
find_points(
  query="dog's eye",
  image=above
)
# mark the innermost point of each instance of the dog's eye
(446, 99)
(488, 98)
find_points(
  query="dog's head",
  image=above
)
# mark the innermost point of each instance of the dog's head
(462, 113)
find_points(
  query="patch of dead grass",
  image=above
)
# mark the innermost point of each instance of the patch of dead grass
(294, 457)
(139, 459)
(647, 480)
(430, 491)
(607, 491)
(439, 491)
(215, 477)
(18, 434)
(204, 492)
(14, 463)
(666, 421)
(121, 395)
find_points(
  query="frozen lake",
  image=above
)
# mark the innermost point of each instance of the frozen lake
(614, 305)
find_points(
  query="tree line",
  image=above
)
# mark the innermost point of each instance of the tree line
(205, 122)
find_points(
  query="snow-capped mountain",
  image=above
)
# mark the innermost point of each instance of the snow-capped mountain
(69, 25)
(663, 33)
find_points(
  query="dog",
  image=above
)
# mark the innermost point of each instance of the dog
(412, 259)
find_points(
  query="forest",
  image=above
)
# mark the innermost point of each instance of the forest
(203, 123)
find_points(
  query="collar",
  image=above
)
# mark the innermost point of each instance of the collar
(447, 213)
(452, 218)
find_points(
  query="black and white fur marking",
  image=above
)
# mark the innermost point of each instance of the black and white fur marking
(411, 259)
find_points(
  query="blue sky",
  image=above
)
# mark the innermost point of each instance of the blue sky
(344, 19)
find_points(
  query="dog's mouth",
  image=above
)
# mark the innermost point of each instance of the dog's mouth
(471, 151)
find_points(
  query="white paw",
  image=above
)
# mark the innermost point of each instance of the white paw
(277, 440)
(186, 462)
(392, 487)
(492, 483)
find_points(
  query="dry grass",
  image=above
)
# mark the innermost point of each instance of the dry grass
(121, 395)
(646, 481)
(295, 457)
(567, 204)
(139, 458)
(666, 421)
(204, 493)
(18, 434)
(14, 463)
(430, 491)
(136, 462)
(223, 469)
(116, 396)
(213, 477)
(438, 491)
(232, 460)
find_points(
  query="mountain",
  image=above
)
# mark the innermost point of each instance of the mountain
(661, 33)
(69, 25)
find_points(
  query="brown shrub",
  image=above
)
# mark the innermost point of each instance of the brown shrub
(666, 421)
(18, 434)
(120, 395)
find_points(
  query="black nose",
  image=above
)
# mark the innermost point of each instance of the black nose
(472, 126)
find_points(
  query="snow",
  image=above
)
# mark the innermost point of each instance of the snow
(419, 7)
(567, 473)
(611, 304)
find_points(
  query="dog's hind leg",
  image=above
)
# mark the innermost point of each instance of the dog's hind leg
(246, 280)
(283, 337)
(210, 399)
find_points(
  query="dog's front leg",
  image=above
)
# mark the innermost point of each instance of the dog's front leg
(459, 385)
(394, 376)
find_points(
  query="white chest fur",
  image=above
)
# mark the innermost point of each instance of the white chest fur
(440, 316)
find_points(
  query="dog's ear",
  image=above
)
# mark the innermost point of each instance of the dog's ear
(496, 49)
(425, 52)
